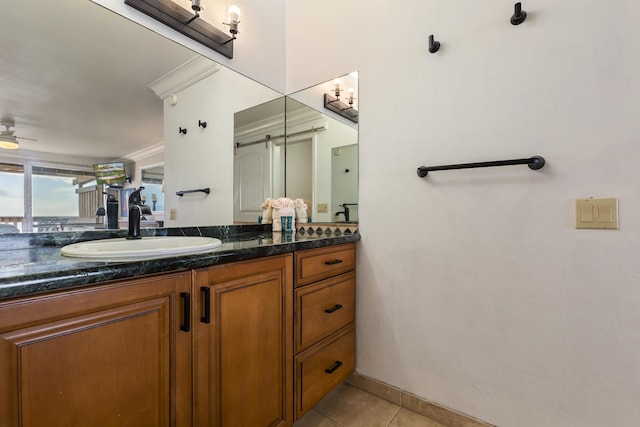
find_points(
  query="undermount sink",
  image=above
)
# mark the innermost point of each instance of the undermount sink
(147, 246)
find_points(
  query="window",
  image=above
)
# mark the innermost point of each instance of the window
(11, 197)
(45, 198)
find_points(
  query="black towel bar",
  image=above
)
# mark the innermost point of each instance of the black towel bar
(535, 163)
(202, 190)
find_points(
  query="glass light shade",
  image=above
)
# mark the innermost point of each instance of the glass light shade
(234, 13)
(350, 92)
(8, 142)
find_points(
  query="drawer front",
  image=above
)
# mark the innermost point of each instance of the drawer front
(321, 368)
(317, 264)
(323, 308)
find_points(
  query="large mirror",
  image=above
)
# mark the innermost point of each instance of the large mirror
(74, 101)
(311, 153)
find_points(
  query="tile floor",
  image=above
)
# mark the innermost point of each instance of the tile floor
(348, 406)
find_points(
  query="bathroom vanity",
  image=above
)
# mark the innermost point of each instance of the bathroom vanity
(251, 334)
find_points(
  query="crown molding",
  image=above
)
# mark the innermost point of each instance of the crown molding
(146, 152)
(183, 76)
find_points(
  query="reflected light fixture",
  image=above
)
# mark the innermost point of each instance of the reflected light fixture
(7, 138)
(343, 108)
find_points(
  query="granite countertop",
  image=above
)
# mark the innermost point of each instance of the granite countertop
(32, 263)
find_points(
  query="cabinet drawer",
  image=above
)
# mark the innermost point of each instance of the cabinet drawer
(323, 367)
(322, 263)
(323, 308)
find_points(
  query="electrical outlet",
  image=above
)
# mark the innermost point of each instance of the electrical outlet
(173, 214)
(323, 207)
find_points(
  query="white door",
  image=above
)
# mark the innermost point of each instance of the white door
(251, 181)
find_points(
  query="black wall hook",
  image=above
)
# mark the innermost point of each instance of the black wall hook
(433, 44)
(182, 131)
(519, 15)
(202, 124)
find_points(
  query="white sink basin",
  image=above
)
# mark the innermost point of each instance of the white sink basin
(145, 247)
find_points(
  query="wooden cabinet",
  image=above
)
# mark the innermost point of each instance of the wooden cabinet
(243, 347)
(108, 355)
(218, 346)
(324, 327)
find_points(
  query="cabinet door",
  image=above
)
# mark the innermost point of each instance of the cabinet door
(244, 356)
(109, 355)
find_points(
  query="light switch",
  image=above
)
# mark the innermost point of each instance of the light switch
(323, 207)
(586, 213)
(597, 213)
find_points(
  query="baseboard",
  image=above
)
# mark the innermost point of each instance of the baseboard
(439, 413)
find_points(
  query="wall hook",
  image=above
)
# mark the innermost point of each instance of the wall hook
(434, 45)
(182, 131)
(519, 15)
(202, 124)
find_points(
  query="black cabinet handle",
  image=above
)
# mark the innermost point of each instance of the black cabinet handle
(334, 308)
(186, 311)
(334, 262)
(206, 299)
(331, 369)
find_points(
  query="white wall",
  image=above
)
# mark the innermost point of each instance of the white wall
(474, 288)
(257, 53)
(204, 156)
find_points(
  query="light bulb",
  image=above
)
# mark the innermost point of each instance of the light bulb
(337, 87)
(234, 13)
(234, 19)
(350, 93)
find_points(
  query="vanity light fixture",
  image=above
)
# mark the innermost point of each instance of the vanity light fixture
(343, 108)
(185, 21)
(195, 5)
(7, 138)
(234, 20)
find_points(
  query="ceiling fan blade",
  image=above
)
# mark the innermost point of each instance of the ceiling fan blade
(26, 139)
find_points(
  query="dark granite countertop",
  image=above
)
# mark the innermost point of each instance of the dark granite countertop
(32, 263)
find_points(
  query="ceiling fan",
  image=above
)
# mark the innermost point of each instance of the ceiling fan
(7, 138)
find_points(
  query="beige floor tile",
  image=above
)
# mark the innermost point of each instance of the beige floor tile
(406, 418)
(352, 407)
(314, 419)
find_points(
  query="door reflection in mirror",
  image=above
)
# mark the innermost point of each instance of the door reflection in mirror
(268, 164)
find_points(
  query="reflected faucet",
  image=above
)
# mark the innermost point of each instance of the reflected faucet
(136, 210)
(345, 212)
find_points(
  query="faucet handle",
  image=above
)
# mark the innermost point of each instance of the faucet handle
(135, 198)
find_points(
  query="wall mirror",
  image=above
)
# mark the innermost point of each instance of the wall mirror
(302, 151)
(76, 101)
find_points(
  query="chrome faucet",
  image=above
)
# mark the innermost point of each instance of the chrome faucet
(136, 209)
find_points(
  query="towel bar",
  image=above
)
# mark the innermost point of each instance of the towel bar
(535, 163)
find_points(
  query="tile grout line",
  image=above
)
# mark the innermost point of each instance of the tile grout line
(395, 416)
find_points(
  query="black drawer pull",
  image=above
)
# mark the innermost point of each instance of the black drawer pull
(206, 302)
(334, 262)
(334, 367)
(334, 308)
(186, 311)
